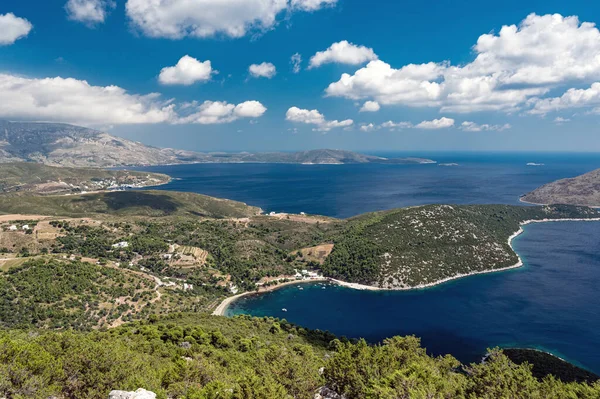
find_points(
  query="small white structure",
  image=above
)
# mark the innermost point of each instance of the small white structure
(303, 213)
(188, 287)
(25, 227)
(167, 256)
(234, 289)
(13, 228)
(313, 274)
(122, 244)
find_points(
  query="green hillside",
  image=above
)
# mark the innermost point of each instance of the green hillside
(127, 203)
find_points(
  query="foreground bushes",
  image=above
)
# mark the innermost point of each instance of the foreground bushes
(201, 357)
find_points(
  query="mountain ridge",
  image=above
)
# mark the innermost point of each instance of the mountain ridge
(58, 144)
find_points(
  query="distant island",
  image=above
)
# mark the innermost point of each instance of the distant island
(580, 190)
(58, 144)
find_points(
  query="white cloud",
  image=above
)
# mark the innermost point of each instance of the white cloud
(76, 101)
(396, 125)
(13, 28)
(263, 70)
(560, 120)
(370, 106)
(311, 5)
(468, 126)
(296, 62)
(217, 112)
(441, 123)
(343, 53)
(187, 72)
(314, 117)
(90, 12)
(510, 68)
(175, 19)
(369, 127)
(572, 98)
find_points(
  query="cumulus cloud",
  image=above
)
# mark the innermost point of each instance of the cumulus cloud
(13, 28)
(90, 12)
(175, 19)
(217, 112)
(370, 106)
(343, 53)
(296, 62)
(559, 120)
(510, 68)
(572, 98)
(187, 72)
(468, 126)
(314, 117)
(76, 101)
(369, 127)
(441, 123)
(263, 70)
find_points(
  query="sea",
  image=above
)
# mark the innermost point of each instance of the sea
(551, 303)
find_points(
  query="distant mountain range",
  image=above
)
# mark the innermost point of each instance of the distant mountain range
(60, 144)
(580, 190)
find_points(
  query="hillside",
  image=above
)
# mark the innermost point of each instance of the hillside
(192, 356)
(145, 203)
(42, 179)
(421, 246)
(67, 145)
(580, 190)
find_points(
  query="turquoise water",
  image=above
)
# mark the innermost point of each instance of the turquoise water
(551, 303)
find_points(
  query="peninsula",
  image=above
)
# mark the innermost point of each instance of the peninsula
(580, 190)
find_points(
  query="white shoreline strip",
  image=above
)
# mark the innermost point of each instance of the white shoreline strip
(222, 308)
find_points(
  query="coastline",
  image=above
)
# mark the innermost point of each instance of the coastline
(221, 309)
(535, 203)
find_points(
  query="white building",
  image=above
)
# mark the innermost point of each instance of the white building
(13, 228)
(25, 227)
(122, 244)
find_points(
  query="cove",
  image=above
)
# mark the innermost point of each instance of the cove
(551, 303)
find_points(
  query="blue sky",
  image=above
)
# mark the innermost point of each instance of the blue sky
(96, 63)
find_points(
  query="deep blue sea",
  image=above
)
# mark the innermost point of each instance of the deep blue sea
(348, 190)
(552, 303)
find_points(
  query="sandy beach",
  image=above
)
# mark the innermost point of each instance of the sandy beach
(222, 308)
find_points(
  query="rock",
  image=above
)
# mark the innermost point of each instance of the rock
(139, 394)
(185, 345)
(326, 393)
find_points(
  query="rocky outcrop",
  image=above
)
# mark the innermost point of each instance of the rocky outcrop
(139, 394)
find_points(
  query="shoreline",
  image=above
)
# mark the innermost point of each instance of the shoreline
(221, 309)
(535, 203)
(223, 306)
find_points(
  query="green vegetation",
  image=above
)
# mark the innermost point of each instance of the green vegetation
(416, 246)
(63, 294)
(184, 356)
(128, 203)
(83, 315)
(545, 363)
